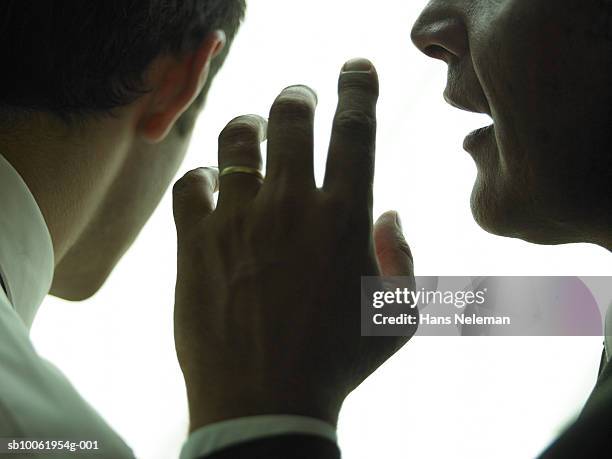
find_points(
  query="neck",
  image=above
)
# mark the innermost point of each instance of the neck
(67, 168)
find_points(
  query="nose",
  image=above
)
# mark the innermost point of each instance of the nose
(441, 33)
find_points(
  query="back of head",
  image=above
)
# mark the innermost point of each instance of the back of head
(75, 57)
(97, 101)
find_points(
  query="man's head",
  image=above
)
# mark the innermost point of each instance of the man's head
(97, 103)
(542, 70)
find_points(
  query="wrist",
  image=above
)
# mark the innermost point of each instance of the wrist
(206, 409)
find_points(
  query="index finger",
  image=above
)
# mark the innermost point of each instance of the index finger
(350, 161)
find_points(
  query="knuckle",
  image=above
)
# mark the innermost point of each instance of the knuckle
(284, 204)
(346, 215)
(338, 208)
(258, 231)
(363, 84)
(355, 122)
(275, 223)
(232, 225)
(332, 202)
(290, 200)
(281, 204)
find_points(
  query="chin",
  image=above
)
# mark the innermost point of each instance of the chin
(510, 216)
(78, 288)
(79, 281)
(70, 293)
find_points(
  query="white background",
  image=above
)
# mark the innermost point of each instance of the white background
(439, 397)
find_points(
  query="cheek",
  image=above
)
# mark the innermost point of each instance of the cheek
(547, 82)
(143, 182)
(165, 163)
(532, 66)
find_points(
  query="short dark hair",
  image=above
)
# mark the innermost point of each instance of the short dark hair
(79, 57)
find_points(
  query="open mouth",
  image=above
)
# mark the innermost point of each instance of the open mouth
(471, 102)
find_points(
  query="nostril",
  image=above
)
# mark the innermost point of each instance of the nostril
(437, 52)
(441, 35)
(433, 51)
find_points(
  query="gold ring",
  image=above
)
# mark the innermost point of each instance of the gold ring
(241, 170)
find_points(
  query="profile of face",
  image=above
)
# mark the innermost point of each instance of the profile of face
(542, 70)
(138, 152)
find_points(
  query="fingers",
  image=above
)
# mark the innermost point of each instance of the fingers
(192, 197)
(239, 145)
(290, 138)
(392, 250)
(350, 162)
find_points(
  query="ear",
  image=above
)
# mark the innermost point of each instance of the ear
(175, 83)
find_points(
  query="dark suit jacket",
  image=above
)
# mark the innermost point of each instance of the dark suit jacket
(589, 437)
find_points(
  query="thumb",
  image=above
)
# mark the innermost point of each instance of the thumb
(392, 250)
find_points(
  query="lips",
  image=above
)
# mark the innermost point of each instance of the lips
(466, 101)
(478, 137)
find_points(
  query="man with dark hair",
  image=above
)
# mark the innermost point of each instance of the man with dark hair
(97, 103)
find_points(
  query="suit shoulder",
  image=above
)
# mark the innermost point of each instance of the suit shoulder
(591, 434)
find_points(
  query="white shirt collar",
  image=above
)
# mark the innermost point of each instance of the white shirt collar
(26, 250)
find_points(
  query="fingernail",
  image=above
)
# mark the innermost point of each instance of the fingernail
(398, 221)
(357, 65)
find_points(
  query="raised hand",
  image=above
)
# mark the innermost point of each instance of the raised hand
(268, 289)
